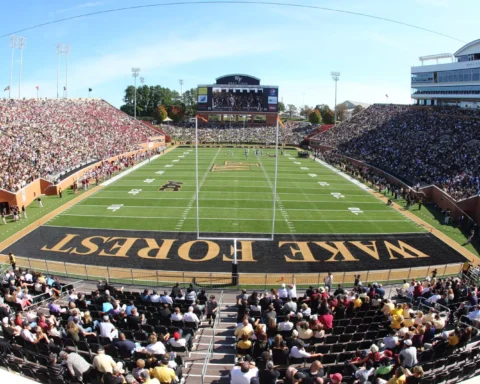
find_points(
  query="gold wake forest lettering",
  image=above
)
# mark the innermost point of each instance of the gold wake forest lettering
(203, 250)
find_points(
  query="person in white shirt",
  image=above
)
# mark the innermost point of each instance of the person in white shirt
(166, 299)
(178, 341)
(434, 298)
(26, 334)
(72, 296)
(292, 291)
(243, 374)
(328, 280)
(306, 310)
(282, 292)
(474, 315)
(177, 316)
(107, 329)
(286, 325)
(154, 297)
(156, 347)
(28, 277)
(190, 316)
(298, 351)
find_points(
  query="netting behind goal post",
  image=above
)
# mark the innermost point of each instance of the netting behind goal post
(237, 236)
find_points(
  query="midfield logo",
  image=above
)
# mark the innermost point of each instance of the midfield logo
(173, 186)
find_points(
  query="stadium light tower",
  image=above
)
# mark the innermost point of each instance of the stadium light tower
(135, 72)
(335, 77)
(62, 49)
(66, 52)
(21, 42)
(142, 80)
(13, 45)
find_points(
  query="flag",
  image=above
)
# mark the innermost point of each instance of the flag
(64, 88)
(201, 118)
(6, 88)
(37, 87)
(280, 121)
(90, 89)
(386, 96)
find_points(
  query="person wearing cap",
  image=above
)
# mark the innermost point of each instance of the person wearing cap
(163, 373)
(336, 377)
(104, 363)
(243, 374)
(269, 375)
(115, 377)
(408, 356)
(178, 341)
(298, 351)
(76, 365)
(107, 329)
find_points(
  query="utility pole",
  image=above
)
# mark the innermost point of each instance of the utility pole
(335, 77)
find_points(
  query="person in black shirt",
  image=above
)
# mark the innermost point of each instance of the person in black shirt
(269, 375)
(265, 301)
(175, 290)
(134, 320)
(165, 312)
(81, 303)
(114, 378)
(339, 291)
(55, 371)
(4, 309)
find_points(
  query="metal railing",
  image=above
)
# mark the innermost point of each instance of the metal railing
(222, 280)
(212, 342)
(63, 291)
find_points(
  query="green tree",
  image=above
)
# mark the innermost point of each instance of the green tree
(341, 112)
(280, 107)
(305, 111)
(160, 113)
(328, 115)
(176, 113)
(190, 101)
(291, 109)
(357, 109)
(315, 117)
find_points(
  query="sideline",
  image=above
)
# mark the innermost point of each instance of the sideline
(25, 231)
(439, 234)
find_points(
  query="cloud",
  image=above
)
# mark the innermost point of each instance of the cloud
(153, 56)
(90, 4)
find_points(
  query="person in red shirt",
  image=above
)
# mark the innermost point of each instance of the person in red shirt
(326, 320)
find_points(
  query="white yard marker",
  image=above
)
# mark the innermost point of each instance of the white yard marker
(181, 157)
(323, 183)
(291, 158)
(148, 181)
(338, 195)
(312, 174)
(175, 161)
(304, 168)
(297, 162)
(160, 172)
(115, 207)
(135, 192)
(169, 166)
(355, 211)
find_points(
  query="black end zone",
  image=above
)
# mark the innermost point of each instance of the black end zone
(183, 252)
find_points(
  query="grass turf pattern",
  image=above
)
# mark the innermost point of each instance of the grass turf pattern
(311, 198)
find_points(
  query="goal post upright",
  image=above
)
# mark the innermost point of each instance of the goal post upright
(196, 175)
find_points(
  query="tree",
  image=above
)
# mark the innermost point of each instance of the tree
(160, 113)
(291, 109)
(190, 102)
(357, 109)
(315, 117)
(341, 112)
(305, 111)
(176, 113)
(327, 114)
(280, 107)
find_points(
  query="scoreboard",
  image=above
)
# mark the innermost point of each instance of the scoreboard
(237, 93)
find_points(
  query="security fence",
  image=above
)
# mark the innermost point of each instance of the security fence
(224, 280)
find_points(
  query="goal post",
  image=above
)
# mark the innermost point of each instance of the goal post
(237, 237)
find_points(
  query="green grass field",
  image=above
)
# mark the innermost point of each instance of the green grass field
(311, 198)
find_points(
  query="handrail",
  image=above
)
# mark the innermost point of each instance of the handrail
(212, 342)
(63, 291)
(434, 306)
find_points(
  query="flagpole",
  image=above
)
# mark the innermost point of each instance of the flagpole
(21, 45)
(196, 174)
(37, 93)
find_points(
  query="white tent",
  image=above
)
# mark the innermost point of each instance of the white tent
(167, 120)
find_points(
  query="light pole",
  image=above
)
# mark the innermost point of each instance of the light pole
(181, 89)
(135, 72)
(21, 42)
(335, 77)
(13, 45)
(67, 51)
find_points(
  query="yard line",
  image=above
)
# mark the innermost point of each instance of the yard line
(205, 198)
(234, 208)
(192, 200)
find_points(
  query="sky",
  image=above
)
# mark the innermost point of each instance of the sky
(293, 48)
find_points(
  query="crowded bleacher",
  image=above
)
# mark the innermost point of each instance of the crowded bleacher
(427, 332)
(42, 138)
(422, 146)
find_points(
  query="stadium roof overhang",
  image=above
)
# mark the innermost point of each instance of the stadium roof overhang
(468, 49)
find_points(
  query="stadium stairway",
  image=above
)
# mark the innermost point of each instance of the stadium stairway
(223, 358)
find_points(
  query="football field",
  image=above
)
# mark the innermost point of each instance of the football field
(236, 197)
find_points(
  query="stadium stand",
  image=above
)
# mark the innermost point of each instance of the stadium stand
(42, 138)
(420, 145)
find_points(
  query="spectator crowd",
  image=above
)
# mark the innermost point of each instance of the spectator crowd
(45, 137)
(439, 146)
